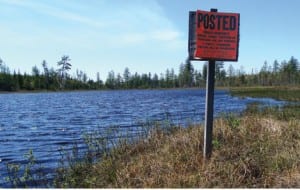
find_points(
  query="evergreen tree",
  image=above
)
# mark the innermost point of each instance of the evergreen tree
(46, 74)
(218, 70)
(20, 80)
(126, 77)
(188, 73)
(36, 77)
(155, 81)
(65, 66)
(292, 70)
(119, 81)
(168, 78)
(231, 74)
(198, 78)
(99, 81)
(181, 75)
(110, 81)
(275, 66)
(173, 78)
(16, 82)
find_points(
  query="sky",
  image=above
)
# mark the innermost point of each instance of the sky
(143, 35)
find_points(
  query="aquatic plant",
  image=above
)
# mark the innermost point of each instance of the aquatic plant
(30, 174)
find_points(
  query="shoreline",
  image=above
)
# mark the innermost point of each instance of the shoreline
(248, 151)
(174, 153)
(243, 154)
(235, 90)
(87, 90)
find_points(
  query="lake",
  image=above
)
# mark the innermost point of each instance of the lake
(45, 122)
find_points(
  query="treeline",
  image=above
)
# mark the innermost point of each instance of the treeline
(53, 79)
(275, 74)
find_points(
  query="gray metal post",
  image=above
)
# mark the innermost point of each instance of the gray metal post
(209, 109)
(209, 106)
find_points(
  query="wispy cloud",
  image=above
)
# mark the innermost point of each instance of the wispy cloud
(131, 23)
(49, 10)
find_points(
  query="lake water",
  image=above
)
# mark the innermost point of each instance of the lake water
(44, 122)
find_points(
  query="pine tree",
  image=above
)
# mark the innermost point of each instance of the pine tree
(65, 66)
(46, 74)
(126, 77)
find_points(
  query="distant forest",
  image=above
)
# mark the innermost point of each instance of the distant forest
(55, 79)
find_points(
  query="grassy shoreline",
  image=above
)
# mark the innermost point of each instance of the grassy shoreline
(259, 149)
(279, 93)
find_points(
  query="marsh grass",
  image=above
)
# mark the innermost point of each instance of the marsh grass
(279, 93)
(259, 149)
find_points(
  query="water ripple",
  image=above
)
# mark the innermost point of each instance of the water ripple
(45, 122)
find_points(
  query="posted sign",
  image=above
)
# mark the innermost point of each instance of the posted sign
(214, 35)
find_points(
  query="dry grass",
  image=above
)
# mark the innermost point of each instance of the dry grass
(256, 150)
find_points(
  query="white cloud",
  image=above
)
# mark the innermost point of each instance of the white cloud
(155, 36)
(53, 11)
(130, 24)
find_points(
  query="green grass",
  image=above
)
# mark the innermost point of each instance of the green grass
(279, 93)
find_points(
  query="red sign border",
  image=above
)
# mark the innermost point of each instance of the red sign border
(193, 58)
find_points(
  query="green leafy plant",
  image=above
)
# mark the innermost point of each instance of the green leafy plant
(29, 175)
(232, 121)
(216, 144)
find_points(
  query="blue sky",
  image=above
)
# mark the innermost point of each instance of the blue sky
(143, 35)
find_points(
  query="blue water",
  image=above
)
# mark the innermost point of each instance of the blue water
(44, 122)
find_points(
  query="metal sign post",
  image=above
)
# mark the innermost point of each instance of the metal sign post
(209, 106)
(209, 109)
(213, 36)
